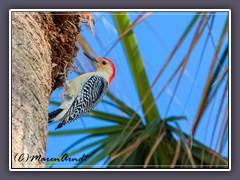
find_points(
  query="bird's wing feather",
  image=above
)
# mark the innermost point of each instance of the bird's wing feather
(92, 93)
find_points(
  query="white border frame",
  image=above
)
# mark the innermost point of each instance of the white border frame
(117, 10)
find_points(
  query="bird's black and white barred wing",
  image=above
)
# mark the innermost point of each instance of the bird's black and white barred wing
(92, 93)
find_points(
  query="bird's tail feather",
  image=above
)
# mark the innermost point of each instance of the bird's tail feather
(53, 114)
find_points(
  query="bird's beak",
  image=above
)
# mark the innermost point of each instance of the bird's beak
(94, 60)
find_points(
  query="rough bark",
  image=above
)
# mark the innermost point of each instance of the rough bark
(42, 45)
(31, 86)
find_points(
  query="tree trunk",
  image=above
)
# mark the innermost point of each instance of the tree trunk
(42, 44)
(31, 86)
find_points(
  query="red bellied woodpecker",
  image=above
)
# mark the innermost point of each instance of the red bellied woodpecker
(84, 92)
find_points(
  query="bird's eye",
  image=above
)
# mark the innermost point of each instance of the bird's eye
(104, 62)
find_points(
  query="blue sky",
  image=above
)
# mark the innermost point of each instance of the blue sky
(156, 37)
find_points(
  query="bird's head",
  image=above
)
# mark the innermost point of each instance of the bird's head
(103, 65)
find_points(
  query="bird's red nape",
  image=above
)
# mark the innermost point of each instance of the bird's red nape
(113, 70)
